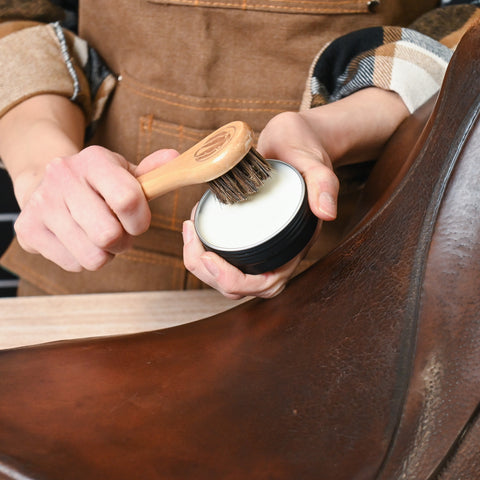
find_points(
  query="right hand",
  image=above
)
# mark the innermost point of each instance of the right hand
(86, 208)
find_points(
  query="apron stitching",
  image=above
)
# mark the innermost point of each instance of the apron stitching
(52, 287)
(173, 217)
(141, 136)
(188, 98)
(152, 259)
(162, 221)
(149, 136)
(205, 109)
(194, 135)
(271, 7)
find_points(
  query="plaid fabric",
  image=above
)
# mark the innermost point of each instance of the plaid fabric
(410, 61)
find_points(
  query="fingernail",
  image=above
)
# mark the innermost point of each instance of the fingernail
(211, 266)
(187, 232)
(327, 204)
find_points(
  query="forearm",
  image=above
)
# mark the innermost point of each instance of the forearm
(35, 132)
(354, 129)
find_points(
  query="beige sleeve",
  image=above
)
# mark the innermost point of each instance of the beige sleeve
(38, 59)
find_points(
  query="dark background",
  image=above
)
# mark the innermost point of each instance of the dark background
(8, 212)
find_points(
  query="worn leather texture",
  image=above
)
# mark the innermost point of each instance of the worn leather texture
(366, 367)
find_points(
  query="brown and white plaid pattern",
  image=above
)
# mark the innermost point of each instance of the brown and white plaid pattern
(404, 60)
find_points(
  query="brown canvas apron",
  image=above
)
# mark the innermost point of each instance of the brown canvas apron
(187, 67)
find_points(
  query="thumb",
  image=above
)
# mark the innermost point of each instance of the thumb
(154, 160)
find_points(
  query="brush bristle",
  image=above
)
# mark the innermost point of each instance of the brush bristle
(243, 180)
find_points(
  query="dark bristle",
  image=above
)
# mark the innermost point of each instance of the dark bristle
(242, 180)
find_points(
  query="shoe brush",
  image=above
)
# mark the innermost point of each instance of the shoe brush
(225, 160)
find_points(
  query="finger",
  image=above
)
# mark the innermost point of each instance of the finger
(47, 210)
(154, 160)
(235, 284)
(192, 256)
(322, 187)
(219, 274)
(281, 139)
(96, 219)
(45, 226)
(192, 251)
(322, 183)
(74, 239)
(118, 187)
(46, 244)
(101, 227)
(87, 208)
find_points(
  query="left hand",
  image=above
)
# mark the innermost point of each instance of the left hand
(350, 130)
(229, 280)
(287, 137)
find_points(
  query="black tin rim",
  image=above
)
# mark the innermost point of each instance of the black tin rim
(277, 249)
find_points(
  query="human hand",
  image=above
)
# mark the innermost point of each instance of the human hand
(296, 139)
(301, 148)
(229, 280)
(353, 129)
(86, 208)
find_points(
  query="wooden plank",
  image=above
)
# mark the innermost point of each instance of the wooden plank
(33, 320)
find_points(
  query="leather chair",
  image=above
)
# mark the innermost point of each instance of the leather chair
(366, 367)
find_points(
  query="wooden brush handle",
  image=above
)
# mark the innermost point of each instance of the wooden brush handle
(210, 158)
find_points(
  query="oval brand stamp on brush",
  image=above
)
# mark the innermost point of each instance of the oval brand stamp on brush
(215, 144)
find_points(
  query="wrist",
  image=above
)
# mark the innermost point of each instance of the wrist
(35, 132)
(355, 128)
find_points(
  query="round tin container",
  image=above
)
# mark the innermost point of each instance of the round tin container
(263, 232)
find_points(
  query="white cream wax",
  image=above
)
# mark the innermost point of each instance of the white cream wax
(255, 220)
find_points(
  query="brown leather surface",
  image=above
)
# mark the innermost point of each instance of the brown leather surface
(366, 367)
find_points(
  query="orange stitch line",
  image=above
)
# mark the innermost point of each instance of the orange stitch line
(194, 135)
(160, 216)
(204, 100)
(327, 4)
(149, 121)
(149, 136)
(151, 258)
(141, 136)
(269, 7)
(204, 109)
(159, 220)
(180, 136)
(139, 143)
(174, 221)
(167, 220)
(173, 128)
(51, 288)
(326, 8)
(161, 127)
(186, 136)
(173, 218)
